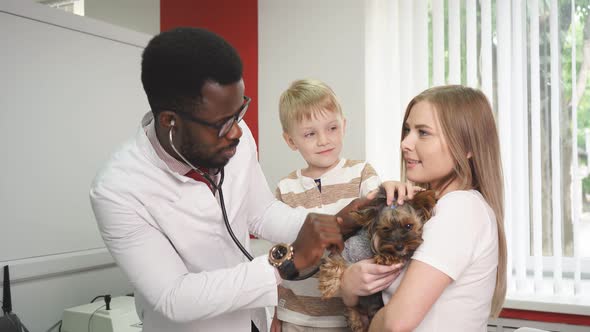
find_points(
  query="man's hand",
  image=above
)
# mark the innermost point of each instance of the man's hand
(319, 232)
(349, 225)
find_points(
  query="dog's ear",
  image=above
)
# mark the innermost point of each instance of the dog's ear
(367, 215)
(424, 202)
(380, 199)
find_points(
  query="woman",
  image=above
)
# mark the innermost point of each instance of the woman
(456, 279)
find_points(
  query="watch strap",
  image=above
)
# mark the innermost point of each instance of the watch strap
(287, 270)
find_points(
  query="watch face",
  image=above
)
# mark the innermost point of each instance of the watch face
(279, 252)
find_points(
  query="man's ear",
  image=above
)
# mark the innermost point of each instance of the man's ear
(166, 119)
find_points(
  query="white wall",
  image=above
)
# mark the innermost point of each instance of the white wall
(138, 15)
(70, 93)
(302, 39)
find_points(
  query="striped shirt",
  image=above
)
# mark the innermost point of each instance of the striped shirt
(300, 301)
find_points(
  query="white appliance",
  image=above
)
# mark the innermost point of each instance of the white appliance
(93, 317)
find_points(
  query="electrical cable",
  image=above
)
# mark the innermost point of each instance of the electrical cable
(54, 325)
(11, 322)
(107, 300)
(96, 298)
(92, 315)
(24, 327)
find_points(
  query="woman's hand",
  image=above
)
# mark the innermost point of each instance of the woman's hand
(365, 278)
(402, 190)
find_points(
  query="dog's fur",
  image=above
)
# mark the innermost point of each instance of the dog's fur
(393, 234)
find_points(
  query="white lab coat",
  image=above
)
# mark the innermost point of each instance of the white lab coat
(166, 232)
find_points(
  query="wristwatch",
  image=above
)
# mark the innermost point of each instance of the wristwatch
(281, 256)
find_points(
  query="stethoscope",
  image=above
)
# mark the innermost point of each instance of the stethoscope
(217, 187)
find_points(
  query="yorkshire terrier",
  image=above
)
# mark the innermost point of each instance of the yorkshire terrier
(390, 235)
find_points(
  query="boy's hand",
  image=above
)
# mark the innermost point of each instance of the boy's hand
(349, 225)
(318, 233)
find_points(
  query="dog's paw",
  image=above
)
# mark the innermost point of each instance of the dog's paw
(383, 260)
(386, 260)
(331, 271)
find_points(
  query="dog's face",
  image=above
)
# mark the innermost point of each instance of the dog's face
(396, 231)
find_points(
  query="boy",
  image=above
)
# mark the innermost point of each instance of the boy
(314, 125)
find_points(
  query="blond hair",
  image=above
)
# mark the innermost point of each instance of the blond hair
(304, 99)
(469, 128)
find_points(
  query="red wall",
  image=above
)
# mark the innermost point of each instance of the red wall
(236, 21)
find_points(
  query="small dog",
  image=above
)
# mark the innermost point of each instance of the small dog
(390, 235)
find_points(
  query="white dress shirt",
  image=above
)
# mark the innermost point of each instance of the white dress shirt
(166, 232)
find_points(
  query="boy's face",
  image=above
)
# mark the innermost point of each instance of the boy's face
(319, 140)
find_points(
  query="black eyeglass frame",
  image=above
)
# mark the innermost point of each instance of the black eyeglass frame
(225, 127)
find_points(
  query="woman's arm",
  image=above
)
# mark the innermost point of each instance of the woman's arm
(421, 286)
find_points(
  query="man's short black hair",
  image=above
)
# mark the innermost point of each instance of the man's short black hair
(177, 63)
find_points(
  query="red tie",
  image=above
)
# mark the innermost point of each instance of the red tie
(198, 177)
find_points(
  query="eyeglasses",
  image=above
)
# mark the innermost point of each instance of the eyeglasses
(224, 127)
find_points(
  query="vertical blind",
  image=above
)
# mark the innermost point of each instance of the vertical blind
(512, 51)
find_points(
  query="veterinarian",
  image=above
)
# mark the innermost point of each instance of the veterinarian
(170, 200)
(456, 279)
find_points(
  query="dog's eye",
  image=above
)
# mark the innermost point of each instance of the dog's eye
(408, 226)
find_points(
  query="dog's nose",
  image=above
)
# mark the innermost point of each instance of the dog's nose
(399, 247)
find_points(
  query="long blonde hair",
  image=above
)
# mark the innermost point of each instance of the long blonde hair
(468, 125)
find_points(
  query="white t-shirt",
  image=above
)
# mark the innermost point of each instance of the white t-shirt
(460, 240)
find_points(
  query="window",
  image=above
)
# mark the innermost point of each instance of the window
(521, 55)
